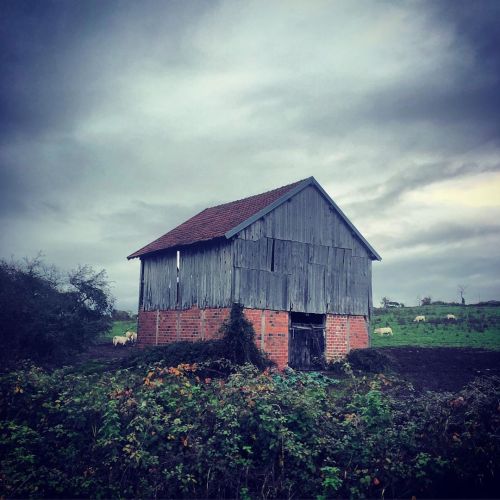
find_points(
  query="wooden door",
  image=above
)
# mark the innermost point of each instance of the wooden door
(306, 346)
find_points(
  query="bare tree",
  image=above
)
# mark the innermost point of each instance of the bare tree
(385, 302)
(461, 290)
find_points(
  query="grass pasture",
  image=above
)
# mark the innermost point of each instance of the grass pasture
(475, 326)
(119, 328)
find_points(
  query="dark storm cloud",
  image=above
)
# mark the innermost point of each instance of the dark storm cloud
(458, 119)
(119, 119)
(470, 102)
(449, 101)
(37, 89)
(471, 108)
(45, 45)
(476, 22)
(470, 99)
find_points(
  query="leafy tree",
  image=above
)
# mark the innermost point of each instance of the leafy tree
(384, 302)
(45, 315)
(121, 315)
(426, 301)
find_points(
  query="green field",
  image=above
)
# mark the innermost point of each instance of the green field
(119, 328)
(474, 327)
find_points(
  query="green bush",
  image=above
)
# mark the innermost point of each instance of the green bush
(202, 351)
(238, 336)
(168, 432)
(46, 317)
(237, 346)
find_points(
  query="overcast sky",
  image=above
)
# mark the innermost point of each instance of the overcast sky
(121, 119)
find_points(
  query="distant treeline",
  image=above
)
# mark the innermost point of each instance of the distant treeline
(118, 315)
(488, 303)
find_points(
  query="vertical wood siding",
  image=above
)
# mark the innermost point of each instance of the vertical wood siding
(205, 275)
(160, 282)
(307, 218)
(301, 257)
(318, 265)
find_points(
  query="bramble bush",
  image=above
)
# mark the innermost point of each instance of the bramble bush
(236, 347)
(169, 432)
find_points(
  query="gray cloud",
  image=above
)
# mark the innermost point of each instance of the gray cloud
(438, 275)
(449, 233)
(384, 196)
(119, 120)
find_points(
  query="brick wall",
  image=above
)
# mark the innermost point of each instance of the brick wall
(343, 333)
(163, 327)
(271, 333)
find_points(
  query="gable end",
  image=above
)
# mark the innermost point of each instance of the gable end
(311, 181)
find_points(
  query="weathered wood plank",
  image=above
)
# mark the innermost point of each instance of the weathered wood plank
(306, 218)
(301, 256)
(160, 282)
(205, 277)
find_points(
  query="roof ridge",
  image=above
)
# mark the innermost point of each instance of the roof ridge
(214, 222)
(296, 183)
(227, 219)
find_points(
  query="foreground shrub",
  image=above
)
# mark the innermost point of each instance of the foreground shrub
(167, 432)
(171, 355)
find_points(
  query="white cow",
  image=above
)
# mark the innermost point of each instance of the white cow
(451, 316)
(118, 340)
(132, 336)
(418, 319)
(387, 330)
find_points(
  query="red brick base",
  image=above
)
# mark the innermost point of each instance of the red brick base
(343, 333)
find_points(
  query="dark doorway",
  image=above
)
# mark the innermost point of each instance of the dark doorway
(306, 340)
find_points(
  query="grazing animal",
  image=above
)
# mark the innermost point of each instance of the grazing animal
(387, 330)
(132, 336)
(450, 316)
(117, 340)
(418, 319)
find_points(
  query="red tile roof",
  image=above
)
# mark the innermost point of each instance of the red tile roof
(214, 222)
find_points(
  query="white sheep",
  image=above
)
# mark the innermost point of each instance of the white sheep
(387, 330)
(418, 319)
(118, 340)
(130, 334)
(451, 316)
(133, 337)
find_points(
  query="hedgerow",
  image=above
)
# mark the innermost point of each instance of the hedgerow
(169, 432)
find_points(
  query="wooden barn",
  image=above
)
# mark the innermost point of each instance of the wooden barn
(290, 256)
